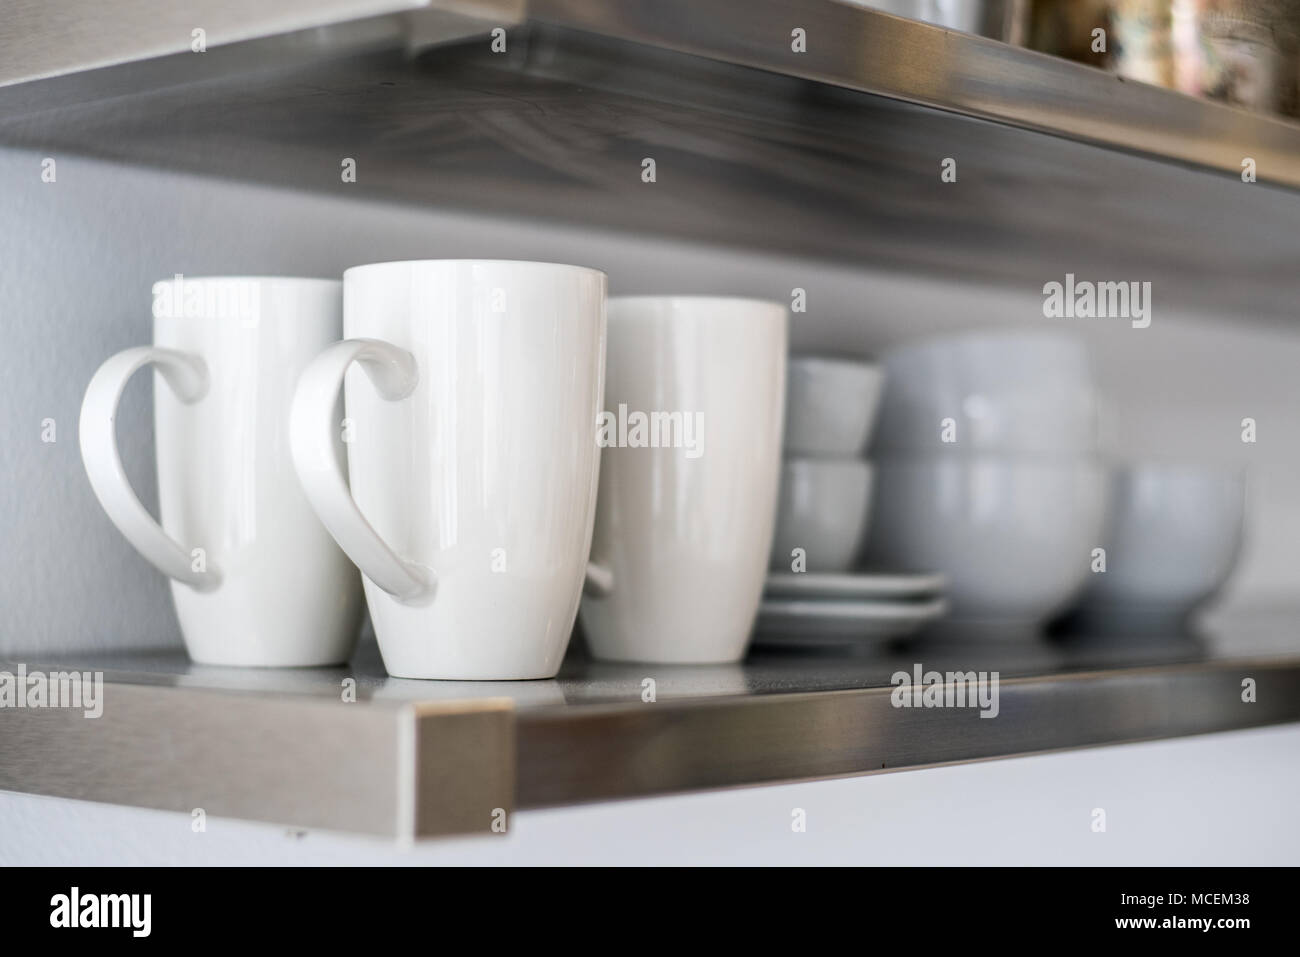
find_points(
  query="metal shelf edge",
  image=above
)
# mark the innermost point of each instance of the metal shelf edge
(615, 752)
(410, 769)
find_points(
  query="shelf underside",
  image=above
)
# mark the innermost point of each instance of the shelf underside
(410, 758)
(557, 128)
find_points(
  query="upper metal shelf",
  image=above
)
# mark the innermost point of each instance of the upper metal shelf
(834, 153)
(862, 49)
(845, 44)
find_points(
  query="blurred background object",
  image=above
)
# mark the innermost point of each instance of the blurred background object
(1239, 52)
(999, 19)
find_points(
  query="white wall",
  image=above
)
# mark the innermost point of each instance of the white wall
(1225, 799)
(77, 259)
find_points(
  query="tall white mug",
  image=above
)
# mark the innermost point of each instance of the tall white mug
(255, 577)
(691, 467)
(472, 390)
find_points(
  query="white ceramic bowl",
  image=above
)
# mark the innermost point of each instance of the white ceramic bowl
(1013, 537)
(1172, 537)
(830, 406)
(1004, 392)
(823, 509)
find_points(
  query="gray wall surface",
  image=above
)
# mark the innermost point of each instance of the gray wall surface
(78, 257)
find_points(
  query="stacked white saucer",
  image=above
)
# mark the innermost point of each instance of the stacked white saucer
(816, 592)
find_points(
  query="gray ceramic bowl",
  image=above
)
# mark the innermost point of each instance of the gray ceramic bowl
(830, 406)
(823, 510)
(1173, 534)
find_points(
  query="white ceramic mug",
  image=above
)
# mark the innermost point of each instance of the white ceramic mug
(255, 577)
(685, 525)
(472, 391)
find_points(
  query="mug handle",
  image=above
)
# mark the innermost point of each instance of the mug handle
(311, 438)
(187, 375)
(599, 582)
(394, 373)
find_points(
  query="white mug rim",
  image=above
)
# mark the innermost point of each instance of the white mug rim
(692, 300)
(304, 291)
(474, 262)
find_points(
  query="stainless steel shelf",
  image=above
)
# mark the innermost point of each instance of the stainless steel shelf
(861, 49)
(418, 758)
(832, 154)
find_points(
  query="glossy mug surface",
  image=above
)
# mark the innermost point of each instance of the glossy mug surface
(255, 577)
(686, 508)
(472, 391)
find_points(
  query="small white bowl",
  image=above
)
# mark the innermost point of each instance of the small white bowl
(1005, 392)
(1173, 535)
(822, 510)
(1013, 537)
(830, 406)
